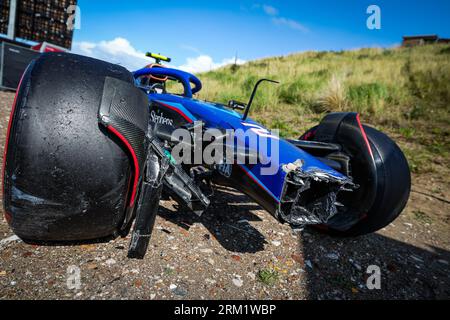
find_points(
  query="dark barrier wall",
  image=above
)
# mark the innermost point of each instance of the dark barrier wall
(13, 62)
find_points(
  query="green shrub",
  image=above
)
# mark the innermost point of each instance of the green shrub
(369, 97)
(268, 277)
(301, 90)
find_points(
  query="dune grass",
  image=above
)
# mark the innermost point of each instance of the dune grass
(404, 91)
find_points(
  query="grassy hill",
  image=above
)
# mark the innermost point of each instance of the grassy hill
(403, 91)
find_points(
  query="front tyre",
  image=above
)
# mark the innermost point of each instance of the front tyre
(392, 188)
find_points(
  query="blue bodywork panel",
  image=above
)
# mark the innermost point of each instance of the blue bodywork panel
(219, 116)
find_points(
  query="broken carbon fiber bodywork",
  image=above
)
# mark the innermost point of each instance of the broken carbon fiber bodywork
(310, 197)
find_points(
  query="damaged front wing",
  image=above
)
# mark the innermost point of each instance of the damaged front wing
(310, 196)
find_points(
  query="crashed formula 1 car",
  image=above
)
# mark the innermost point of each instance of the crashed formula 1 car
(91, 149)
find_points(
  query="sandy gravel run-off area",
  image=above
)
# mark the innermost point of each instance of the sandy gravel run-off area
(228, 253)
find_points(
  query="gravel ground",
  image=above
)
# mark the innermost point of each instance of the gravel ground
(236, 250)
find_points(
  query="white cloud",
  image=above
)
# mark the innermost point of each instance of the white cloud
(120, 51)
(190, 48)
(290, 23)
(85, 47)
(204, 63)
(271, 11)
(280, 21)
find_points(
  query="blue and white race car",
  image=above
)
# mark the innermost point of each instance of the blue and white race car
(92, 148)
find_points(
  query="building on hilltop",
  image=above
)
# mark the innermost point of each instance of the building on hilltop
(419, 40)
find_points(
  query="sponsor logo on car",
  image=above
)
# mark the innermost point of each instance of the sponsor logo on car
(160, 118)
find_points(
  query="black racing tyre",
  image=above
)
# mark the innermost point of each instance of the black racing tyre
(393, 184)
(65, 176)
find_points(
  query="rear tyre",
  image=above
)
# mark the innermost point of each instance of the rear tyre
(65, 176)
(392, 189)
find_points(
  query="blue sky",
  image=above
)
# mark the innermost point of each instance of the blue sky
(201, 35)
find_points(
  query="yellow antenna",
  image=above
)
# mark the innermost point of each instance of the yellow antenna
(158, 57)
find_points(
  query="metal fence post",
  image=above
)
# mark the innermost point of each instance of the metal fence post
(12, 19)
